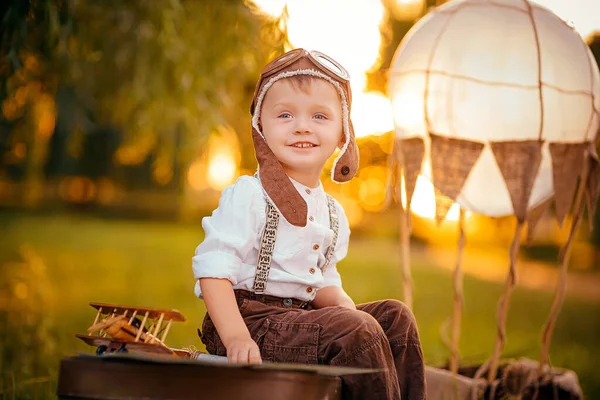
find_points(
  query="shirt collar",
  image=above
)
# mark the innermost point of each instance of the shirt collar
(305, 190)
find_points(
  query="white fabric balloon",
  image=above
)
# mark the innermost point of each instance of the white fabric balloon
(495, 71)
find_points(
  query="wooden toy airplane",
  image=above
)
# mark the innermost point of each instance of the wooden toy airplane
(118, 328)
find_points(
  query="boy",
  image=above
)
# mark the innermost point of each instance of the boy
(270, 284)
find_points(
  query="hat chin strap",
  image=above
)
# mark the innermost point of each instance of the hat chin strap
(277, 184)
(345, 165)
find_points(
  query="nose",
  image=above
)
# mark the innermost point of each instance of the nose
(302, 126)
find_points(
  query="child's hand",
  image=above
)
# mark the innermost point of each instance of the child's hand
(243, 351)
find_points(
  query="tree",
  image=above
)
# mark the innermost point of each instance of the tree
(30, 32)
(166, 73)
(154, 68)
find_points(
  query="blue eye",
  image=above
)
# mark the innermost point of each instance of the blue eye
(285, 115)
(320, 116)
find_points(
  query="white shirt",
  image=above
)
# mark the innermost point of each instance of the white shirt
(232, 239)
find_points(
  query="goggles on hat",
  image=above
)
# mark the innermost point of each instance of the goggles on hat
(329, 66)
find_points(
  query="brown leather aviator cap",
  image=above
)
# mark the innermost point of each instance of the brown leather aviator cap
(273, 178)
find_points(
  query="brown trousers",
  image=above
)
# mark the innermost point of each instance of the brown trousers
(381, 334)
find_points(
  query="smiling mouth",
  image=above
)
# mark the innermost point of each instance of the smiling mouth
(303, 145)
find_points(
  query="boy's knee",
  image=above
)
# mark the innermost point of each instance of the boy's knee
(364, 326)
(400, 310)
(360, 336)
(401, 321)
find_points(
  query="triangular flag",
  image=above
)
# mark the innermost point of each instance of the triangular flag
(519, 162)
(443, 204)
(567, 165)
(534, 216)
(413, 151)
(451, 162)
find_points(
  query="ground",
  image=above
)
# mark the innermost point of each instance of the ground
(53, 266)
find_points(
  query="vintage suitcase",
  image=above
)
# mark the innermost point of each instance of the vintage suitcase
(134, 376)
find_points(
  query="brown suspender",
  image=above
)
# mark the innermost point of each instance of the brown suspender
(265, 251)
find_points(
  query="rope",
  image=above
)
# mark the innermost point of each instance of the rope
(405, 248)
(404, 224)
(458, 294)
(539, 66)
(394, 176)
(564, 255)
(434, 48)
(193, 352)
(503, 304)
(483, 82)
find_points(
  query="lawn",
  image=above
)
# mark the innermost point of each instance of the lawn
(52, 266)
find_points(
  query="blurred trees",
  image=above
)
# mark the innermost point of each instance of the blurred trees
(166, 68)
(29, 34)
(162, 74)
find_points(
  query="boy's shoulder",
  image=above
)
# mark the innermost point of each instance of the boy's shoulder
(249, 181)
(245, 186)
(244, 195)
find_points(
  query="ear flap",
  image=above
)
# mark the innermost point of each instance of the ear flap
(278, 186)
(346, 164)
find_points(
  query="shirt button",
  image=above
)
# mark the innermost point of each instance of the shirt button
(307, 191)
(312, 270)
(316, 247)
(311, 218)
(309, 289)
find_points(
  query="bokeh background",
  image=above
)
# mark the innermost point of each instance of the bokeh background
(120, 124)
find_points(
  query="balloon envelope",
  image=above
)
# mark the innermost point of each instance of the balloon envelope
(491, 71)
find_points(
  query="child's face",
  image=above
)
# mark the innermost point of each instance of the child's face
(302, 128)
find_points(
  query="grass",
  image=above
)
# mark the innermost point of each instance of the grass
(52, 266)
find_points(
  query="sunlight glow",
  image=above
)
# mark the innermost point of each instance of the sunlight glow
(372, 114)
(223, 158)
(221, 170)
(423, 201)
(218, 167)
(273, 8)
(406, 10)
